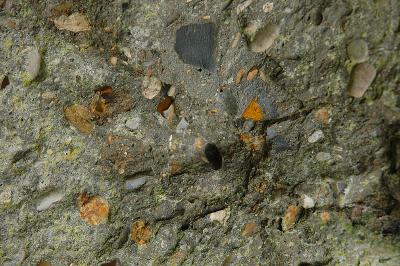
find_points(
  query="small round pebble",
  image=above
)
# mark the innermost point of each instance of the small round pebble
(357, 50)
(308, 202)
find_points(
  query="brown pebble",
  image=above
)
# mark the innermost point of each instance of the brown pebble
(291, 217)
(322, 115)
(239, 76)
(249, 229)
(252, 73)
(4, 81)
(361, 78)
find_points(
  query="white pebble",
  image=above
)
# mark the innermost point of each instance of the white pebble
(308, 202)
(264, 38)
(151, 87)
(135, 182)
(316, 136)
(221, 216)
(47, 200)
(33, 59)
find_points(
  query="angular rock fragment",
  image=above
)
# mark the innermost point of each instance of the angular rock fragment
(75, 22)
(264, 38)
(249, 229)
(361, 78)
(195, 45)
(253, 112)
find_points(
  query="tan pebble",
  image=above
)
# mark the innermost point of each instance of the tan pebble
(151, 87)
(361, 78)
(267, 7)
(291, 217)
(239, 76)
(252, 73)
(264, 38)
(249, 229)
(113, 61)
(206, 17)
(75, 22)
(322, 115)
(236, 40)
(6, 195)
(325, 216)
(241, 7)
(49, 96)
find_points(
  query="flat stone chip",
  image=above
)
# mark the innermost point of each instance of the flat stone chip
(195, 45)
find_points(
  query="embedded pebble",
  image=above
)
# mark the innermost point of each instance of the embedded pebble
(75, 22)
(182, 125)
(267, 7)
(291, 216)
(47, 200)
(316, 136)
(133, 123)
(6, 195)
(151, 87)
(308, 202)
(361, 78)
(172, 91)
(264, 38)
(32, 68)
(323, 156)
(221, 216)
(357, 50)
(135, 182)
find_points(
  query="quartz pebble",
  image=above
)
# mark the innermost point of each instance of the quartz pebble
(361, 78)
(135, 182)
(308, 202)
(316, 136)
(357, 50)
(221, 216)
(32, 68)
(264, 38)
(47, 200)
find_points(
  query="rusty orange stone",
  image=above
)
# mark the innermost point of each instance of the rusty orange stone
(291, 217)
(93, 210)
(322, 115)
(255, 143)
(253, 112)
(141, 233)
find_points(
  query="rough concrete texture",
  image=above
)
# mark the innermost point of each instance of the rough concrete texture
(314, 179)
